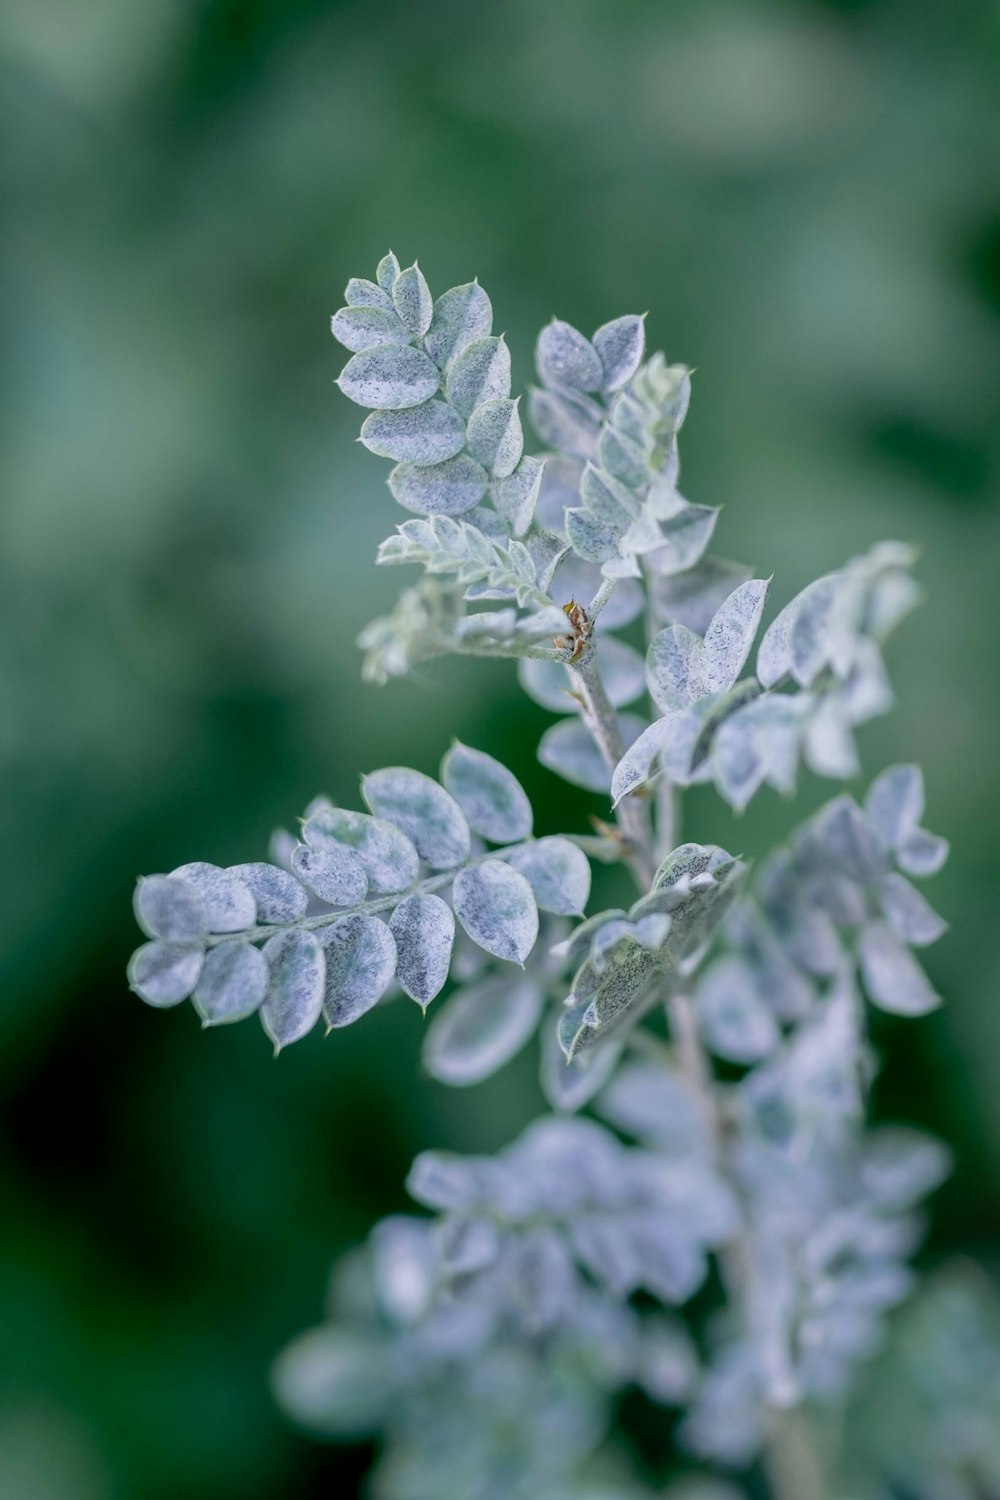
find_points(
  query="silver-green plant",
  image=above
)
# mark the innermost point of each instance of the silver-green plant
(485, 1339)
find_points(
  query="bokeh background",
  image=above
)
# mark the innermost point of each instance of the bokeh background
(805, 196)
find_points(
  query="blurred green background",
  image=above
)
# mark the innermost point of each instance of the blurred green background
(805, 195)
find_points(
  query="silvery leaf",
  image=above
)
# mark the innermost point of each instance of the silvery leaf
(461, 316)
(900, 1166)
(445, 489)
(569, 1085)
(549, 683)
(233, 983)
(389, 375)
(850, 840)
(390, 861)
(674, 668)
(279, 896)
(467, 1244)
(692, 597)
(480, 1028)
(335, 1380)
(602, 1245)
(829, 746)
(568, 750)
(634, 768)
(668, 1373)
(894, 980)
(423, 810)
(295, 994)
(731, 634)
(623, 457)
(565, 358)
(734, 1019)
(565, 424)
(620, 346)
(558, 873)
(685, 538)
(424, 930)
(808, 645)
(421, 435)
(445, 1181)
(360, 328)
(911, 917)
(169, 908)
(591, 538)
(491, 797)
(671, 1265)
(362, 293)
(405, 1266)
(387, 271)
(657, 1105)
(164, 974)
(480, 373)
(413, 301)
(895, 803)
(360, 963)
(922, 853)
(495, 905)
(517, 493)
(495, 437)
(335, 874)
(229, 904)
(605, 498)
(544, 1277)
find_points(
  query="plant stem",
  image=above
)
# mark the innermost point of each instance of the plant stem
(790, 1464)
(602, 722)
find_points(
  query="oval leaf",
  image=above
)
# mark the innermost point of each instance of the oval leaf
(558, 873)
(294, 998)
(495, 436)
(495, 905)
(461, 317)
(413, 301)
(279, 896)
(389, 375)
(445, 489)
(568, 750)
(424, 931)
(170, 908)
(894, 980)
(480, 1028)
(360, 328)
(425, 812)
(620, 346)
(480, 373)
(491, 797)
(229, 904)
(421, 435)
(335, 874)
(389, 859)
(233, 983)
(164, 974)
(565, 358)
(360, 962)
(731, 633)
(673, 668)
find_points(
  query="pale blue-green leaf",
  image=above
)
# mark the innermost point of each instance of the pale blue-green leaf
(461, 316)
(229, 904)
(564, 357)
(425, 434)
(279, 896)
(633, 770)
(362, 293)
(544, 551)
(360, 963)
(911, 917)
(424, 931)
(734, 1019)
(620, 346)
(922, 853)
(568, 750)
(466, 1245)
(774, 655)
(170, 908)
(445, 1181)
(569, 1085)
(547, 682)
(481, 1027)
(894, 980)
(360, 328)
(496, 906)
(335, 875)
(895, 803)
(516, 494)
(390, 861)
(622, 669)
(738, 765)
(606, 499)
(412, 300)
(387, 271)
(445, 489)
(685, 538)
(691, 598)
(233, 983)
(850, 840)
(558, 873)
(480, 373)
(899, 1166)
(294, 998)
(491, 797)
(164, 974)
(578, 579)
(731, 634)
(674, 668)
(623, 458)
(602, 1245)
(335, 1380)
(808, 645)
(564, 422)
(495, 436)
(829, 742)
(546, 1282)
(423, 810)
(592, 539)
(389, 375)
(560, 488)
